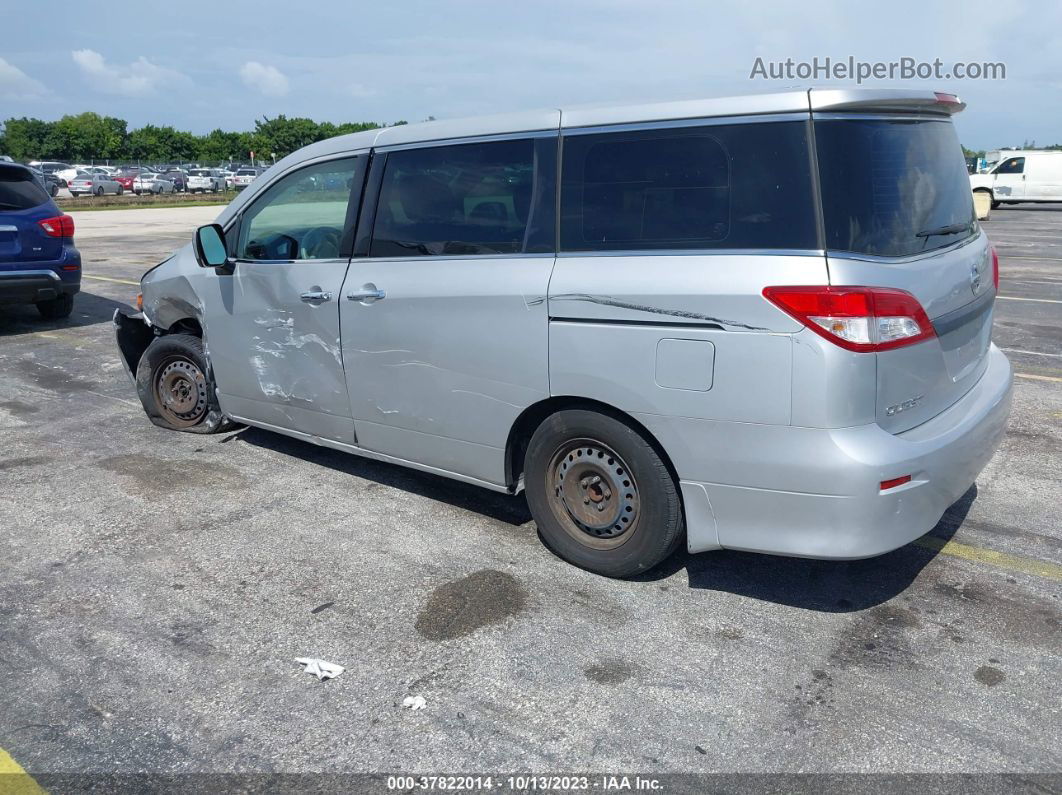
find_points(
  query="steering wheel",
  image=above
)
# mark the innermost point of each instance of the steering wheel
(321, 242)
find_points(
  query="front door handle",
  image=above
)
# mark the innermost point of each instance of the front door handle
(313, 296)
(367, 294)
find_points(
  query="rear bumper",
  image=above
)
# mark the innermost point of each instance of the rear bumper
(33, 282)
(816, 493)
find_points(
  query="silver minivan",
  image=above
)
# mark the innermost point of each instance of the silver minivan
(760, 323)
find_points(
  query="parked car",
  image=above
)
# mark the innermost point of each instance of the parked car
(38, 261)
(64, 171)
(683, 370)
(177, 177)
(202, 180)
(125, 178)
(148, 182)
(95, 185)
(1022, 176)
(245, 176)
(49, 182)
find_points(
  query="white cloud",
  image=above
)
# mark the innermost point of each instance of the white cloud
(139, 78)
(17, 85)
(268, 80)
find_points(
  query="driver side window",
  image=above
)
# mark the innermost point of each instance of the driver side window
(1016, 165)
(302, 216)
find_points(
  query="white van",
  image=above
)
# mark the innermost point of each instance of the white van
(1023, 175)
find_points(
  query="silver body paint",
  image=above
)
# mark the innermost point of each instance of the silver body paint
(779, 438)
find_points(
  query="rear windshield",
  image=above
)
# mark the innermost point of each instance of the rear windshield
(19, 190)
(246, 173)
(892, 187)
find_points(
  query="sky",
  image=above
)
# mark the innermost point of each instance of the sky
(199, 65)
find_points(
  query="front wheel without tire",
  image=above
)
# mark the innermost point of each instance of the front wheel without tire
(601, 495)
(175, 387)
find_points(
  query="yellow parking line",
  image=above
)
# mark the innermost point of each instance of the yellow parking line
(126, 281)
(1040, 568)
(14, 780)
(1038, 377)
(1034, 300)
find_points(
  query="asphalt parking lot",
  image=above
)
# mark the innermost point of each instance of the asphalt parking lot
(157, 588)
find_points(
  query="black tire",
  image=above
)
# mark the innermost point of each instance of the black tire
(176, 386)
(99, 191)
(121, 190)
(622, 524)
(56, 308)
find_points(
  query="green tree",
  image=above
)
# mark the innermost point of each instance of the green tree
(27, 139)
(88, 136)
(220, 146)
(158, 144)
(283, 135)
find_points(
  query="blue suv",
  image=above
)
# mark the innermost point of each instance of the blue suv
(38, 262)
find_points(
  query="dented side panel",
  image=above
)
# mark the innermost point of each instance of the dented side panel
(276, 358)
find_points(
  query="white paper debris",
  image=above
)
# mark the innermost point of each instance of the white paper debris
(415, 702)
(320, 668)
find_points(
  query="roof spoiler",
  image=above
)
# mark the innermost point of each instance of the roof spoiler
(883, 100)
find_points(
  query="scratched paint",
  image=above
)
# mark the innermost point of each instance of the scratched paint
(605, 300)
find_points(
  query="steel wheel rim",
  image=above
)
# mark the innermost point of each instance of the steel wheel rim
(180, 391)
(593, 493)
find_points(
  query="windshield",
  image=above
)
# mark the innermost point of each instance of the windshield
(892, 187)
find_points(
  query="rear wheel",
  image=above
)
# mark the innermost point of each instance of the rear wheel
(99, 191)
(175, 387)
(601, 495)
(121, 190)
(56, 308)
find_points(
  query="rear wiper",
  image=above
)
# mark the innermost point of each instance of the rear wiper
(950, 229)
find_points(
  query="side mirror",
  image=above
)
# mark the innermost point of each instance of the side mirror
(210, 246)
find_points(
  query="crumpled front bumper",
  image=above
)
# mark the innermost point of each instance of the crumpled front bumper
(133, 334)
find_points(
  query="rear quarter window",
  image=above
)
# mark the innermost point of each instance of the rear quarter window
(720, 186)
(19, 190)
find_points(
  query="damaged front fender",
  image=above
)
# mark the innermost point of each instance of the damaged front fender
(133, 334)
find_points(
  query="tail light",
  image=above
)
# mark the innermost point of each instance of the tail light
(864, 319)
(60, 226)
(995, 268)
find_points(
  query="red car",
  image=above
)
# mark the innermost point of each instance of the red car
(125, 179)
